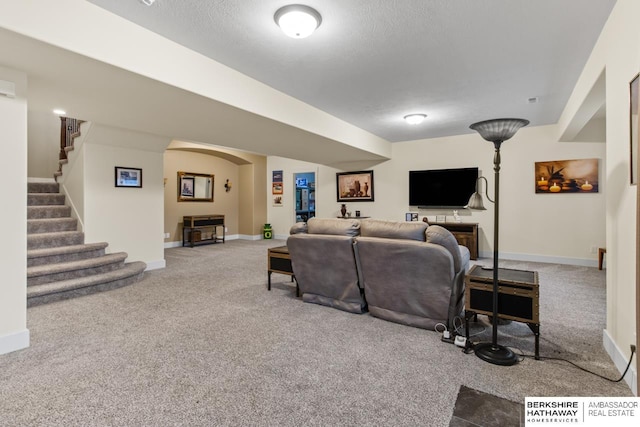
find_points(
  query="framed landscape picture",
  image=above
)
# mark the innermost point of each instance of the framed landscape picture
(354, 186)
(128, 177)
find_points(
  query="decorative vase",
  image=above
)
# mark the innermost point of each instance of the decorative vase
(343, 209)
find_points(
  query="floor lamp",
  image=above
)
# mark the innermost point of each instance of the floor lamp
(496, 131)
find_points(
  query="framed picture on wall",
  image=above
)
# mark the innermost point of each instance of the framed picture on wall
(128, 177)
(634, 95)
(186, 186)
(354, 186)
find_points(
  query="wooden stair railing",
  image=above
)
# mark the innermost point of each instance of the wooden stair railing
(69, 130)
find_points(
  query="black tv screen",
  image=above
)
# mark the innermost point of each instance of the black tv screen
(442, 188)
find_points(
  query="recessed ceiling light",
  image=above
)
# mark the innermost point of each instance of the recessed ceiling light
(297, 21)
(415, 119)
(59, 112)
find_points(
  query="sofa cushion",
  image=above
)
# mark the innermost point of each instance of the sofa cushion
(334, 226)
(393, 229)
(443, 237)
(298, 228)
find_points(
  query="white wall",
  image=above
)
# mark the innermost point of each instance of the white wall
(283, 217)
(14, 334)
(541, 227)
(617, 52)
(129, 219)
(44, 144)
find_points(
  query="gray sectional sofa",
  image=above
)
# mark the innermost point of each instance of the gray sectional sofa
(404, 272)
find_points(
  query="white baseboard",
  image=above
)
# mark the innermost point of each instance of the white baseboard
(250, 236)
(542, 258)
(35, 179)
(177, 244)
(14, 342)
(156, 265)
(620, 360)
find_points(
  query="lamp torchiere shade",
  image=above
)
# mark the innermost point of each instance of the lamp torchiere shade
(498, 130)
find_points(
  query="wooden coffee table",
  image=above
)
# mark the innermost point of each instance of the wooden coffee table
(279, 261)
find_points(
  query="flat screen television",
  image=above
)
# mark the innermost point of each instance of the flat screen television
(442, 188)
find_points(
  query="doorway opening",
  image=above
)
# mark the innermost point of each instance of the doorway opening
(305, 185)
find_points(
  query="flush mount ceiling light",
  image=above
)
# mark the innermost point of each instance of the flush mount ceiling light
(148, 2)
(415, 119)
(297, 21)
(59, 112)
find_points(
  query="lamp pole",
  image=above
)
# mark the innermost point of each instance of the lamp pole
(496, 131)
(496, 224)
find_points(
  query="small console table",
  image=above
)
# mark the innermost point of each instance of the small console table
(518, 297)
(202, 229)
(466, 233)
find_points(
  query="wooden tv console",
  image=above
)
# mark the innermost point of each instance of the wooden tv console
(466, 233)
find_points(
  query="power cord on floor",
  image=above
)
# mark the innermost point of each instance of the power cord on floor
(633, 351)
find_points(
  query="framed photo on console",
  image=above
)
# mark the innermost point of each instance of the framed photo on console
(354, 186)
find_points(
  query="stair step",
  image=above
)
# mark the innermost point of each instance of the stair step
(51, 225)
(37, 212)
(56, 291)
(65, 253)
(45, 199)
(51, 240)
(70, 270)
(43, 187)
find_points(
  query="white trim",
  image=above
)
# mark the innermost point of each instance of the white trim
(45, 180)
(14, 342)
(249, 236)
(156, 265)
(177, 244)
(542, 258)
(620, 360)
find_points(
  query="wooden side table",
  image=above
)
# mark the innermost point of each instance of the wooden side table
(279, 261)
(601, 252)
(518, 297)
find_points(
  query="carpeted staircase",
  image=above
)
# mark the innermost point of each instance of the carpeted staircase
(59, 264)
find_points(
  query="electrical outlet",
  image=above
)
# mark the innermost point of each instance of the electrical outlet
(226, 229)
(594, 249)
(167, 235)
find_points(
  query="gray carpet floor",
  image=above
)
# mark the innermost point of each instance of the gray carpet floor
(203, 343)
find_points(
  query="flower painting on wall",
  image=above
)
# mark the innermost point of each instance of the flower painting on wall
(567, 176)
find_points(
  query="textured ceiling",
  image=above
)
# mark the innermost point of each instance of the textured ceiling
(373, 61)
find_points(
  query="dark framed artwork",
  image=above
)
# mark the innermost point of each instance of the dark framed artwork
(128, 177)
(354, 186)
(567, 176)
(634, 100)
